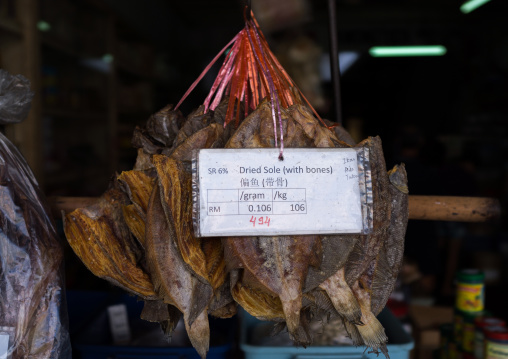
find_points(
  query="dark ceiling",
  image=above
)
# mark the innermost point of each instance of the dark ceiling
(443, 93)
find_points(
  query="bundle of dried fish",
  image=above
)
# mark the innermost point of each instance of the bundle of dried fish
(336, 272)
(140, 235)
(100, 237)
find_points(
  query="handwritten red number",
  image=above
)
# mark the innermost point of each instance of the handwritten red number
(261, 221)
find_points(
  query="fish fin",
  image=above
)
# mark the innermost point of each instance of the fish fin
(373, 333)
(199, 333)
(353, 333)
(342, 297)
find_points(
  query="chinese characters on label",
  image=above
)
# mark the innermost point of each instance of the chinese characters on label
(251, 192)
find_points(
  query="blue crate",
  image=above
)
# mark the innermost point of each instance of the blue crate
(126, 352)
(91, 337)
(399, 345)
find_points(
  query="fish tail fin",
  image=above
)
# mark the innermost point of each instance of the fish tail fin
(291, 309)
(347, 306)
(373, 333)
(342, 297)
(199, 333)
(353, 333)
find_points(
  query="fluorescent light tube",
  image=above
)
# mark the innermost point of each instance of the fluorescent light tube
(471, 5)
(396, 51)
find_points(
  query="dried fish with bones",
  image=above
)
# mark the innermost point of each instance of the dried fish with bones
(287, 279)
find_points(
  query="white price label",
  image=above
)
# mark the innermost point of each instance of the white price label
(119, 323)
(4, 345)
(250, 192)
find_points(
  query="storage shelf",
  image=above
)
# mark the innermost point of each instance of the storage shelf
(130, 70)
(61, 47)
(77, 89)
(11, 26)
(66, 177)
(75, 114)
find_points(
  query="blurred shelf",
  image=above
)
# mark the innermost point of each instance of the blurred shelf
(11, 26)
(473, 138)
(82, 68)
(131, 70)
(134, 118)
(76, 114)
(59, 46)
(62, 178)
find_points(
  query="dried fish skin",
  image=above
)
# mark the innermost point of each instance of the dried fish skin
(400, 213)
(226, 311)
(342, 297)
(197, 120)
(219, 117)
(135, 220)
(222, 304)
(258, 303)
(173, 282)
(341, 133)
(143, 161)
(299, 128)
(371, 331)
(248, 133)
(141, 140)
(313, 129)
(208, 137)
(280, 264)
(157, 311)
(160, 131)
(367, 248)
(204, 258)
(390, 257)
(138, 185)
(374, 286)
(332, 253)
(95, 233)
(164, 125)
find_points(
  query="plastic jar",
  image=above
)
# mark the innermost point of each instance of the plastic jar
(446, 331)
(496, 343)
(481, 324)
(468, 332)
(470, 290)
(458, 324)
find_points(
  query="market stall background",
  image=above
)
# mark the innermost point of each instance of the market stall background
(100, 68)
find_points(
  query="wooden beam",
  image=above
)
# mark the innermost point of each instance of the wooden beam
(455, 209)
(433, 208)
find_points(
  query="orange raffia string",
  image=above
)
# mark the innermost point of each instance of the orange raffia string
(249, 73)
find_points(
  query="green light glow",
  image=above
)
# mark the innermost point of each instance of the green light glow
(43, 26)
(396, 51)
(471, 5)
(107, 58)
